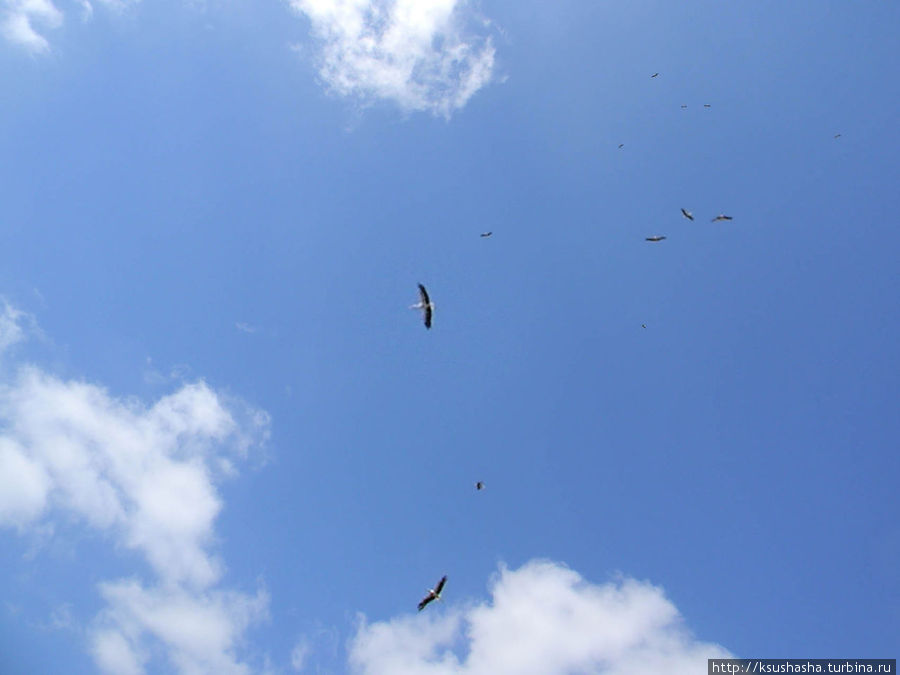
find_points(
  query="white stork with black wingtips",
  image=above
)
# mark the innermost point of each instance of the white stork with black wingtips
(425, 305)
(433, 593)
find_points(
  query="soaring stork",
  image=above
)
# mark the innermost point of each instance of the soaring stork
(425, 305)
(654, 75)
(687, 214)
(656, 237)
(479, 485)
(486, 234)
(433, 593)
(721, 216)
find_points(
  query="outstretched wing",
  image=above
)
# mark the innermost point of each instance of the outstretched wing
(423, 295)
(687, 214)
(427, 313)
(440, 585)
(428, 598)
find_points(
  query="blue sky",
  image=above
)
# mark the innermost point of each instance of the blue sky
(227, 445)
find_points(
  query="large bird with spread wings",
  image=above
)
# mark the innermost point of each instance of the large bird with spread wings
(425, 305)
(433, 593)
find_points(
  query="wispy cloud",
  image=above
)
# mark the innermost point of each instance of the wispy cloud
(147, 475)
(22, 18)
(543, 618)
(299, 654)
(11, 329)
(25, 22)
(416, 53)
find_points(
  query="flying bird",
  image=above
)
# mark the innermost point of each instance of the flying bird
(721, 216)
(643, 325)
(656, 237)
(621, 145)
(654, 75)
(479, 485)
(433, 593)
(683, 107)
(425, 305)
(486, 234)
(707, 105)
(837, 135)
(687, 214)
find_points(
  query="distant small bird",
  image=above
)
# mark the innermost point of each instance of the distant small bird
(433, 593)
(621, 145)
(687, 214)
(707, 105)
(656, 237)
(837, 135)
(486, 234)
(479, 485)
(643, 325)
(425, 305)
(721, 216)
(654, 75)
(683, 107)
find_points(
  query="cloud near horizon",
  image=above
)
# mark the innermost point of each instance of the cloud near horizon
(147, 475)
(543, 619)
(415, 53)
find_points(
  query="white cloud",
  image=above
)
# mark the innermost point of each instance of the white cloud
(245, 327)
(11, 329)
(87, 10)
(200, 630)
(543, 619)
(19, 18)
(23, 22)
(115, 654)
(299, 654)
(146, 474)
(23, 485)
(142, 471)
(412, 52)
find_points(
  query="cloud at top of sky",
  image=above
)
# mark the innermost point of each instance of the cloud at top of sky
(25, 22)
(423, 55)
(415, 53)
(20, 21)
(543, 618)
(147, 475)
